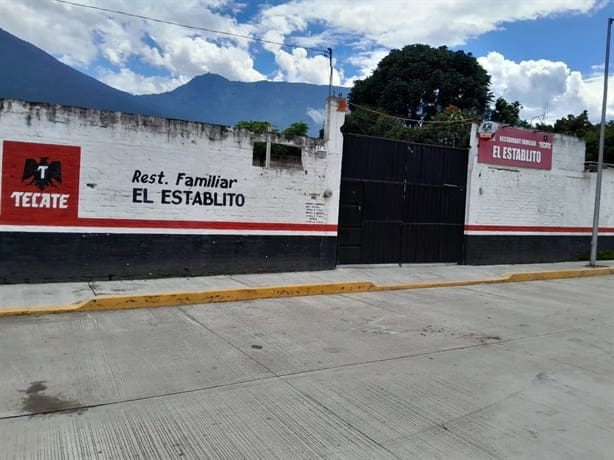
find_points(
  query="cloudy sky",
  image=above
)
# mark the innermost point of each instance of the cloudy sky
(547, 54)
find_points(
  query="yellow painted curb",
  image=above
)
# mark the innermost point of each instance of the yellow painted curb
(509, 278)
(224, 295)
(125, 302)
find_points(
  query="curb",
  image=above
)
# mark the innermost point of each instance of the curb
(128, 302)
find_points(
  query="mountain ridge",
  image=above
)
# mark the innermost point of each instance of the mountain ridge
(36, 76)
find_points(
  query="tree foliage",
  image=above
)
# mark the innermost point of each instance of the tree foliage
(257, 127)
(420, 81)
(420, 84)
(507, 113)
(592, 143)
(577, 126)
(279, 152)
(299, 128)
(581, 127)
(431, 95)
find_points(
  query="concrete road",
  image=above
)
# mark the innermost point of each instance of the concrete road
(523, 370)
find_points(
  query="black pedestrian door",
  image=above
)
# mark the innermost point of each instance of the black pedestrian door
(401, 202)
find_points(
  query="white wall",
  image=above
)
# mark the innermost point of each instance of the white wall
(114, 146)
(503, 199)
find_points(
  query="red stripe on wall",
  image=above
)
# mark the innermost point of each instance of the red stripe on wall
(537, 229)
(196, 225)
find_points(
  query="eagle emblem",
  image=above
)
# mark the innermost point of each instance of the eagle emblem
(43, 173)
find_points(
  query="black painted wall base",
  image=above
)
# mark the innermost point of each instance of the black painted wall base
(492, 250)
(55, 257)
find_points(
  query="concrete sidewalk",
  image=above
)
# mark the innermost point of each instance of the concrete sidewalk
(23, 299)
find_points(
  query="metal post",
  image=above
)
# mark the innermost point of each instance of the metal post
(267, 154)
(330, 79)
(593, 260)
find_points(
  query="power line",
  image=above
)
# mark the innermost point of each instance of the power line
(431, 122)
(326, 52)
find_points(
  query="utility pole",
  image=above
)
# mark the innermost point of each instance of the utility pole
(330, 79)
(593, 260)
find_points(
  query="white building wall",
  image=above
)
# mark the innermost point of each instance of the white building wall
(116, 147)
(514, 200)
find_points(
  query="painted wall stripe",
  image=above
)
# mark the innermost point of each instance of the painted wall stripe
(521, 230)
(160, 231)
(179, 227)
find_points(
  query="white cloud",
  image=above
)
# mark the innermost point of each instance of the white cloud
(134, 83)
(376, 27)
(317, 115)
(393, 23)
(366, 62)
(543, 86)
(297, 66)
(43, 25)
(195, 56)
(119, 49)
(89, 39)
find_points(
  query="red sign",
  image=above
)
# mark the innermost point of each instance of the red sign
(509, 146)
(40, 183)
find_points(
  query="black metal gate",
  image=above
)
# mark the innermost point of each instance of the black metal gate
(401, 202)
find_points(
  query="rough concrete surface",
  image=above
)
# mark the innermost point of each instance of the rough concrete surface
(522, 370)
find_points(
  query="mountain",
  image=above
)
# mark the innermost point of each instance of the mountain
(214, 99)
(30, 74)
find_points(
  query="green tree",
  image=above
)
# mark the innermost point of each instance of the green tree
(571, 125)
(257, 127)
(419, 81)
(506, 112)
(580, 126)
(279, 152)
(452, 127)
(592, 143)
(299, 128)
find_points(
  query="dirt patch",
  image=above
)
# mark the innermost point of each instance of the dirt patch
(484, 339)
(36, 401)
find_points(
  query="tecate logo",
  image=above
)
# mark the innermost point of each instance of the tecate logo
(41, 174)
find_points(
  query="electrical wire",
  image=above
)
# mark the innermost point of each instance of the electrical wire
(431, 122)
(325, 52)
